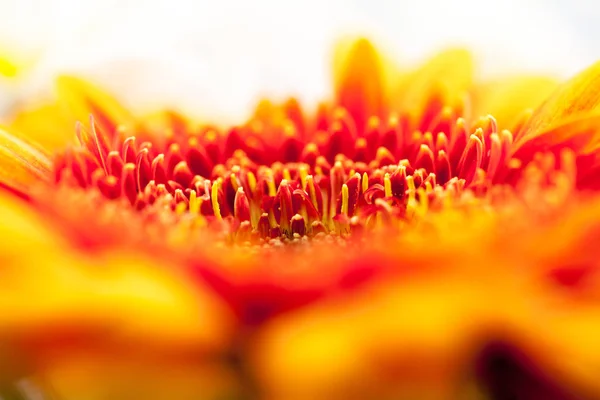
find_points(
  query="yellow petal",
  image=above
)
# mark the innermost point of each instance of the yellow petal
(80, 98)
(359, 81)
(572, 342)
(165, 122)
(579, 95)
(22, 163)
(445, 78)
(46, 124)
(14, 62)
(23, 228)
(404, 339)
(124, 297)
(8, 68)
(52, 124)
(507, 99)
(50, 289)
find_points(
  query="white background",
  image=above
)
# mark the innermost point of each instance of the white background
(213, 58)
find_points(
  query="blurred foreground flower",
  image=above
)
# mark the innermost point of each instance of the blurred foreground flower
(400, 242)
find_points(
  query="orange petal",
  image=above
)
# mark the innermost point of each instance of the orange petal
(507, 99)
(578, 133)
(98, 376)
(359, 81)
(579, 95)
(445, 78)
(81, 98)
(22, 163)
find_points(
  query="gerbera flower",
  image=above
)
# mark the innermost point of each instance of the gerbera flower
(365, 250)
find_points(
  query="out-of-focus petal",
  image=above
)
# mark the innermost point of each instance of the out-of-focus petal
(50, 292)
(571, 343)
(165, 122)
(99, 376)
(61, 301)
(22, 163)
(441, 81)
(23, 228)
(52, 124)
(46, 124)
(15, 62)
(569, 118)
(8, 68)
(561, 283)
(359, 81)
(581, 94)
(80, 98)
(405, 339)
(579, 133)
(507, 99)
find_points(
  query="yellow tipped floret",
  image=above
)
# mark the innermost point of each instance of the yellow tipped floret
(215, 198)
(195, 202)
(234, 182)
(286, 175)
(271, 183)
(303, 172)
(387, 185)
(410, 183)
(181, 208)
(365, 182)
(251, 181)
(310, 184)
(428, 187)
(423, 206)
(345, 199)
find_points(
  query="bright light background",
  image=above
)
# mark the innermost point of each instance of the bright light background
(213, 58)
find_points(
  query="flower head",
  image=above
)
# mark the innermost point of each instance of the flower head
(364, 249)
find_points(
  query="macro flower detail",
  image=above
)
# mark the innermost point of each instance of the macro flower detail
(287, 174)
(395, 239)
